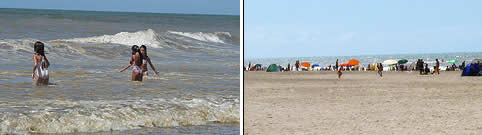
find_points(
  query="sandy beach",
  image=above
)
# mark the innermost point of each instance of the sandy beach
(362, 103)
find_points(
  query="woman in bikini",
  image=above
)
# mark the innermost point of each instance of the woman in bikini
(136, 62)
(146, 60)
(40, 72)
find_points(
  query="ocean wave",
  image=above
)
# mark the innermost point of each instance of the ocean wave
(217, 37)
(152, 38)
(146, 37)
(95, 116)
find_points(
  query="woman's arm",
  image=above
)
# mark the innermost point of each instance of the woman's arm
(149, 60)
(130, 64)
(34, 67)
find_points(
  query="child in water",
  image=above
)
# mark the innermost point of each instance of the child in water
(146, 60)
(40, 72)
(136, 62)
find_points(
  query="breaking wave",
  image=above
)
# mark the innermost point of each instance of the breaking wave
(217, 37)
(95, 116)
(151, 38)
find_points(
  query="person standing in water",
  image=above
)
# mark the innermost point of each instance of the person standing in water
(136, 62)
(146, 60)
(40, 72)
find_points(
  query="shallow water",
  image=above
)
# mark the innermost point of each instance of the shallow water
(196, 92)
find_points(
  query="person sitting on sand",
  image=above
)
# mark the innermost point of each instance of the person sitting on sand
(146, 60)
(426, 70)
(136, 62)
(339, 73)
(40, 72)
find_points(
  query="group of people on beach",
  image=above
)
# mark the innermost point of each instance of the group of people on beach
(420, 66)
(138, 60)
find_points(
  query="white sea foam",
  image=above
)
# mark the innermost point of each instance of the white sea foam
(146, 37)
(95, 116)
(217, 37)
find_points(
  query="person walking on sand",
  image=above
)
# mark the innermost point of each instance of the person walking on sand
(437, 66)
(380, 69)
(336, 64)
(297, 64)
(339, 73)
(40, 72)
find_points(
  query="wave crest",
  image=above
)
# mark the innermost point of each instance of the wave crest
(216, 37)
(86, 116)
(146, 37)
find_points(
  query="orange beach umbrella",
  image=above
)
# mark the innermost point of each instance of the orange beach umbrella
(305, 64)
(344, 64)
(353, 62)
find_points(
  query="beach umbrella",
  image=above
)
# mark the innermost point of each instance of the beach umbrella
(353, 62)
(453, 61)
(402, 61)
(390, 62)
(315, 65)
(305, 64)
(344, 64)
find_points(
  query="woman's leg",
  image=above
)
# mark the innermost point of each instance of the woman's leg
(134, 76)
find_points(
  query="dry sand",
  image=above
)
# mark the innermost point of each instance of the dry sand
(361, 103)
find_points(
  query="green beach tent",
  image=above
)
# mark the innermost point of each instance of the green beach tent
(272, 68)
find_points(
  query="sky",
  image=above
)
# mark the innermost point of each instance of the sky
(223, 7)
(306, 28)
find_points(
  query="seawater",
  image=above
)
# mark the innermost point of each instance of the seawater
(196, 92)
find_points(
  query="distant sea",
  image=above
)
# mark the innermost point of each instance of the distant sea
(197, 91)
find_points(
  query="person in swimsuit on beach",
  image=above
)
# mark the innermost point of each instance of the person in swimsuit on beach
(339, 73)
(380, 69)
(437, 65)
(297, 65)
(146, 60)
(136, 62)
(40, 72)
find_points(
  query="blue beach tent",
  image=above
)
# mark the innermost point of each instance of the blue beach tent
(473, 69)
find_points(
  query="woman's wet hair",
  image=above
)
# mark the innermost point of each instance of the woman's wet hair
(145, 49)
(134, 48)
(38, 47)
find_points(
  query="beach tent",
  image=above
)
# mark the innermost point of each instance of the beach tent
(473, 69)
(353, 62)
(255, 67)
(390, 62)
(272, 68)
(305, 64)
